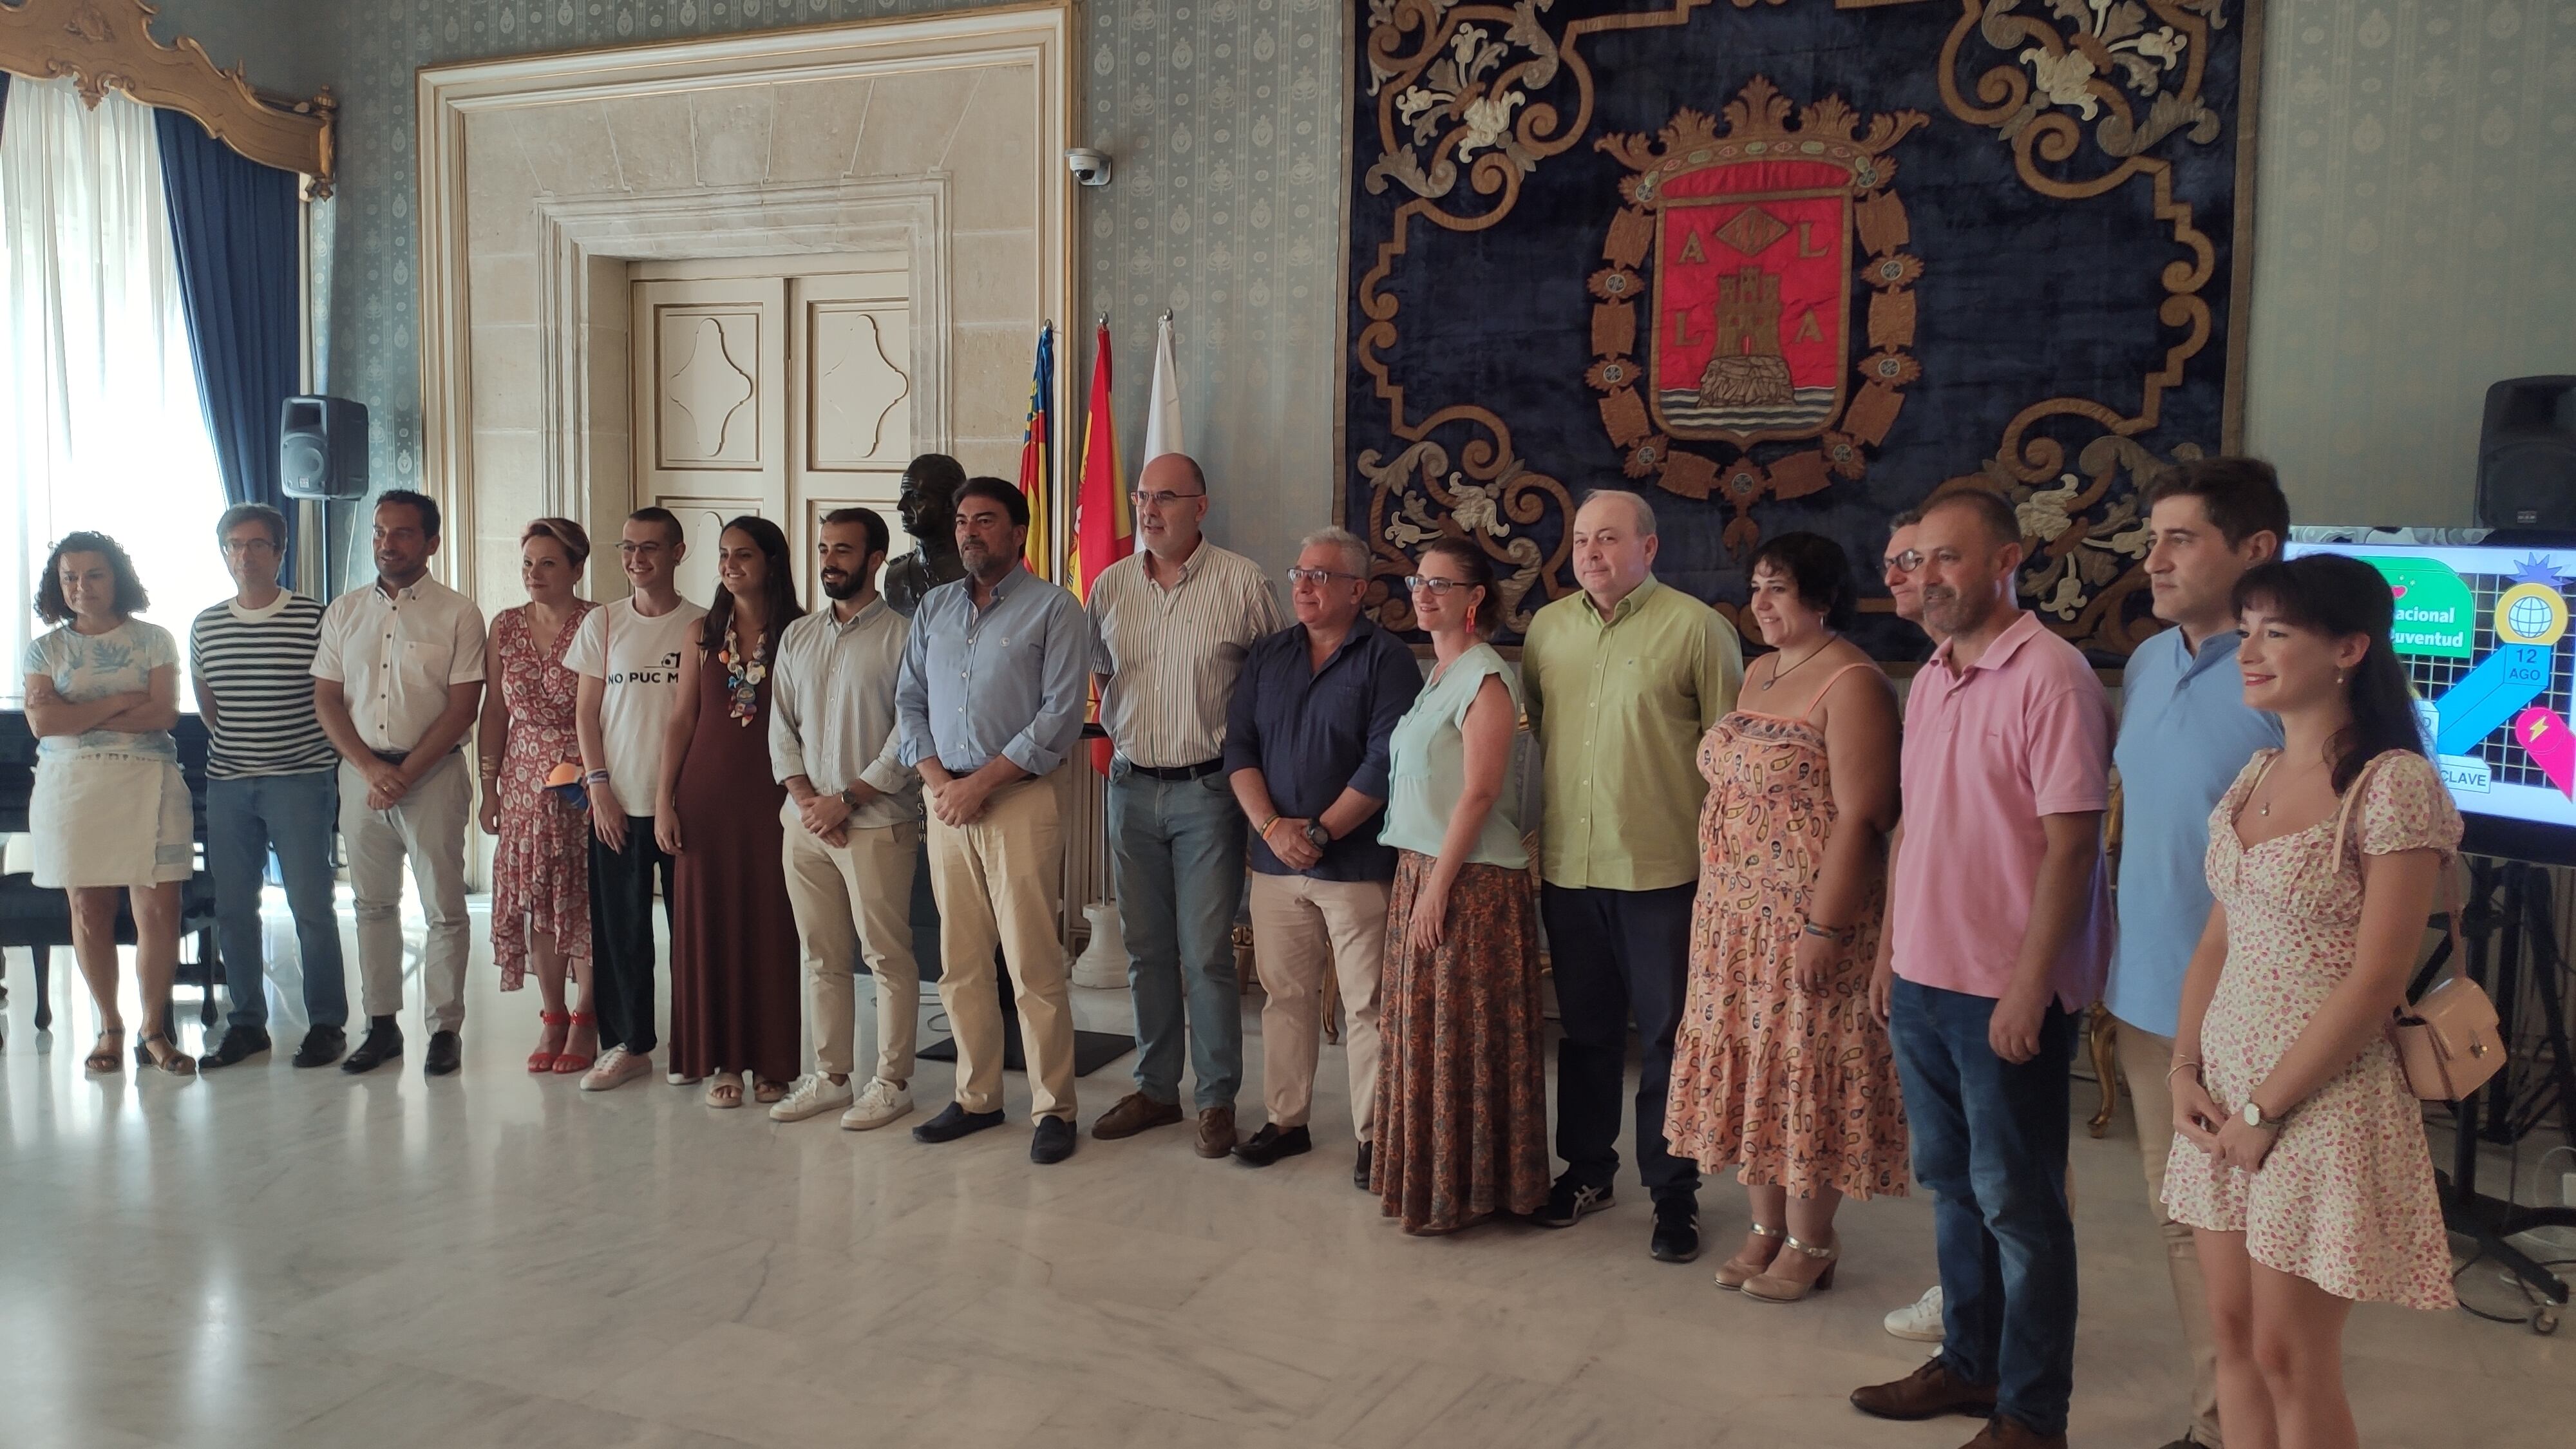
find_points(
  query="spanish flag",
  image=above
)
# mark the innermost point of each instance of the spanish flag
(1104, 527)
(1037, 458)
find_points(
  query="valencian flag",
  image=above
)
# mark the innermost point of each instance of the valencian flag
(1037, 458)
(1104, 527)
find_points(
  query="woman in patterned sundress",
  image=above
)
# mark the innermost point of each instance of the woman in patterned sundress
(2299, 1158)
(541, 863)
(1781, 1069)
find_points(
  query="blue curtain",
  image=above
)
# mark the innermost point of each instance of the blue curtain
(233, 225)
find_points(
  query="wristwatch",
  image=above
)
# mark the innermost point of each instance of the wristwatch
(1317, 836)
(2254, 1117)
(845, 796)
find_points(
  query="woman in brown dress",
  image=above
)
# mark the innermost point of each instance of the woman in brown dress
(541, 863)
(734, 975)
(1461, 1129)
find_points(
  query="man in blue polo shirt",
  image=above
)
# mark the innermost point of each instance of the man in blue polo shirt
(2185, 733)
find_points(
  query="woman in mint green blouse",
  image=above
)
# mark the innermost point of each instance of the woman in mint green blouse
(1461, 1131)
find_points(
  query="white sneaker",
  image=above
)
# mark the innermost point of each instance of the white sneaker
(813, 1095)
(681, 1079)
(881, 1103)
(615, 1067)
(1920, 1320)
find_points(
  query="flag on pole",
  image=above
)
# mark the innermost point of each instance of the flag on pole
(1037, 457)
(1163, 413)
(1104, 527)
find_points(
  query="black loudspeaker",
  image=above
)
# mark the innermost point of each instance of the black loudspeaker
(2527, 455)
(322, 448)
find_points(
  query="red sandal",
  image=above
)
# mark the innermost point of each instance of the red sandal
(544, 1061)
(568, 1063)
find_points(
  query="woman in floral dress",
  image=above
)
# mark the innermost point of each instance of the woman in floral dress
(541, 864)
(1780, 1068)
(2299, 1158)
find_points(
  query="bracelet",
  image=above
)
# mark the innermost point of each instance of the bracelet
(595, 777)
(1839, 938)
(1264, 831)
(2192, 1062)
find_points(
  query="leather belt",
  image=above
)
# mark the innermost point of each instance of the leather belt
(391, 757)
(1179, 773)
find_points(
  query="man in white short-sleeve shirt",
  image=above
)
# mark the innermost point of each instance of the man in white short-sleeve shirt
(397, 679)
(628, 657)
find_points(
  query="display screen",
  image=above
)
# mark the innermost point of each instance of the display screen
(2483, 634)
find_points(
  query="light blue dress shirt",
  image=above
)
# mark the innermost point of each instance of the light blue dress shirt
(2185, 735)
(1009, 679)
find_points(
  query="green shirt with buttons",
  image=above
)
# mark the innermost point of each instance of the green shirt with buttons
(1619, 705)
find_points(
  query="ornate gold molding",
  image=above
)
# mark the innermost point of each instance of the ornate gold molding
(104, 45)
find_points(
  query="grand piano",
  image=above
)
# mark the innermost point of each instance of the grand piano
(41, 920)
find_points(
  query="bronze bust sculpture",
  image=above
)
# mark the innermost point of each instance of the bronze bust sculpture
(928, 503)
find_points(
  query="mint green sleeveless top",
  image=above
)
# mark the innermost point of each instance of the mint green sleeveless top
(1429, 768)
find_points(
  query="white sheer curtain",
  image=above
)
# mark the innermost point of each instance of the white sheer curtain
(100, 422)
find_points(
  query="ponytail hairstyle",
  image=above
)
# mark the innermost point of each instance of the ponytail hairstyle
(2336, 596)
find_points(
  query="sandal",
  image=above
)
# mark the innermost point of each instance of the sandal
(175, 1062)
(542, 1060)
(1733, 1273)
(724, 1091)
(1774, 1288)
(571, 1063)
(104, 1059)
(767, 1092)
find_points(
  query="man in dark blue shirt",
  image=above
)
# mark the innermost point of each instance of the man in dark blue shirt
(1306, 751)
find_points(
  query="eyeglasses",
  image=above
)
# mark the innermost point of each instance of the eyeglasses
(1319, 577)
(1158, 500)
(249, 545)
(1906, 562)
(632, 549)
(1436, 588)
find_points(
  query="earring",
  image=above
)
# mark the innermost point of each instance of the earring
(2339, 678)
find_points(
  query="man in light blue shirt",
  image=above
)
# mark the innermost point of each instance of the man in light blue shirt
(990, 701)
(2185, 734)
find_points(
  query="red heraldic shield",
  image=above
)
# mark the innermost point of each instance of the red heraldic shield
(1752, 300)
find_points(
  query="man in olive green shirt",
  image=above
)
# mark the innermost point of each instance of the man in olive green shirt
(1622, 680)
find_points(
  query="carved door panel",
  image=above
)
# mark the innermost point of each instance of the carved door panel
(852, 414)
(712, 401)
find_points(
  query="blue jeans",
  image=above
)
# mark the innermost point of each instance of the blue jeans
(292, 814)
(1990, 1142)
(1176, 849)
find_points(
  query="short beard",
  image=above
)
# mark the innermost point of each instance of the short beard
(844, 591)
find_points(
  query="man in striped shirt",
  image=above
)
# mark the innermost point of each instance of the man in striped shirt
(1175, 621)
(272, 783)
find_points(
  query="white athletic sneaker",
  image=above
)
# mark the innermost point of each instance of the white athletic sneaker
(681, 1079)
(615, 1067)
(881, 1103)
(813, 1095)
(1920, 1320)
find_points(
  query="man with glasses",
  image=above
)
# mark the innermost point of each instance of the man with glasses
(1622, 680)
(1174, 622)
(627, 655)
(272, 783)
(1306, 750)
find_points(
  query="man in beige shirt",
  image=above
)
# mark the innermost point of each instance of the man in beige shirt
(853, 818)
(1622, 679)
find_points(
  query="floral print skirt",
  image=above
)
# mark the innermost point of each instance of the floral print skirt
(1461, 1129)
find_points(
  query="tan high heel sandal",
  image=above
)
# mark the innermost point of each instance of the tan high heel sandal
(1734, 1273)
(1772, 1288)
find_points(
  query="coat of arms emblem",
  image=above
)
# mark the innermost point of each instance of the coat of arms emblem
(1754, 237)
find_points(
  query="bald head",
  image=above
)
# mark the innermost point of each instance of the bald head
(1171, 502)
(1613, 543)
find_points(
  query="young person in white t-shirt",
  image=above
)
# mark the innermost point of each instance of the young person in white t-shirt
(628, 657)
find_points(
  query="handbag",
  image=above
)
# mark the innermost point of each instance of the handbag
(2446, 1039)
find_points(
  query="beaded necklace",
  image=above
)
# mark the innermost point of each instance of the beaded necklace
(742, 679)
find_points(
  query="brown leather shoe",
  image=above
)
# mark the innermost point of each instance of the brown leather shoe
(1134, 1113)
(1216, 1132)
(1926, 1393)
(2003, 1433)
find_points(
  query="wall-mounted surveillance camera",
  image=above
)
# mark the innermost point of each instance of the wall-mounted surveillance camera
(1089, 167)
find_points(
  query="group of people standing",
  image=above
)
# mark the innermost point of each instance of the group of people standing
(1855, 954)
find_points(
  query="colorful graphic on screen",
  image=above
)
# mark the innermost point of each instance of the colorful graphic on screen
(2483, 635)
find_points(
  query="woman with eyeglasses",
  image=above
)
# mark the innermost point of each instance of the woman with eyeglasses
(1461, 1131)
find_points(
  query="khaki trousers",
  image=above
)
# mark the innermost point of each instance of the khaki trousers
(426, 828)
(1302, 928)
(2144, 1059)
(852, 900)
(997, 881)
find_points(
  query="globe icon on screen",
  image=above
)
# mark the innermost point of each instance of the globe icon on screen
(2529, 617)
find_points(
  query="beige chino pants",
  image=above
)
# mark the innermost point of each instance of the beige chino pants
(2144, 1059)
(998, 880)
(854, 900)
(1302, 928)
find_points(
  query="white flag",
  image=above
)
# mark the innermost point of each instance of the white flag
(1163, 413)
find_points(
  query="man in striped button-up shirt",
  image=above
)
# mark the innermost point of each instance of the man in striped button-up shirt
(1174, 623)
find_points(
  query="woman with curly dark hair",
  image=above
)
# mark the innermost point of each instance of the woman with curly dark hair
(110, 810)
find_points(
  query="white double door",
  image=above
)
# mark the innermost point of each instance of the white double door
(779, 387)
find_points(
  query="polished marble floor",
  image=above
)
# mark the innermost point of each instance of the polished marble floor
(269, 1257)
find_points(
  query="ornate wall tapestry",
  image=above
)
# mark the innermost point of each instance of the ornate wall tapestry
(1791, 264)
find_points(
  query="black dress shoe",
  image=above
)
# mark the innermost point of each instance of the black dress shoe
(1360, 1173)
(1569, 1202)
(1676, 1238)
(1053, 1142)
(446, 1054)
(1270, 1144)
(322, 1046)
(240, 1044)
(383, 1044)
(954, 1122)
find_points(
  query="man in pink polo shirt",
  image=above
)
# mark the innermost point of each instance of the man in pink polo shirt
(2002, 928)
